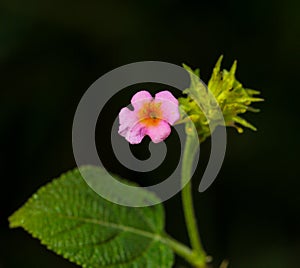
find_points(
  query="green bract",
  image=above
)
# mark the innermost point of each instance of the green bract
(231, 96)
(72, 220)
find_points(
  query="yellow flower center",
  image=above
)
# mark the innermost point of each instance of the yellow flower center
(150, 114)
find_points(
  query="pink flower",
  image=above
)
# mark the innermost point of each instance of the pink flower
(151, 116)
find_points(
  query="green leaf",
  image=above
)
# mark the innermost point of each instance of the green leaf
(73, 221)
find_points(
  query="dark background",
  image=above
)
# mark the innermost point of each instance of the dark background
(51, 52)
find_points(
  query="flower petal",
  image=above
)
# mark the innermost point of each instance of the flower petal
(136, 134)
(140, 98)
(158, 132)
(129, 127)
(126, 120)
(169, 106)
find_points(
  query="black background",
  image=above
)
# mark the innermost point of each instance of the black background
(51, 52)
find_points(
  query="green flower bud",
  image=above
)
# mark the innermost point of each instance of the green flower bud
(232, 98)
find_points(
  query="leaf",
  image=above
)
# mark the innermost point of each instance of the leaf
(73, 221)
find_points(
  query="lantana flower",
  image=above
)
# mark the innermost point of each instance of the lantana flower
(150, 116)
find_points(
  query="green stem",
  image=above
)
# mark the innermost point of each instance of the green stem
(185, 252)
(191, 147)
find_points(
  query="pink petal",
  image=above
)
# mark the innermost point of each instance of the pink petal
(159, 132)
(127, 118)
(129, 126)
(136, 134)
(169, 106)
(139, 99)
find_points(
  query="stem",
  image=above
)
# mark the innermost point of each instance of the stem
(185, 252)
(191, 147)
